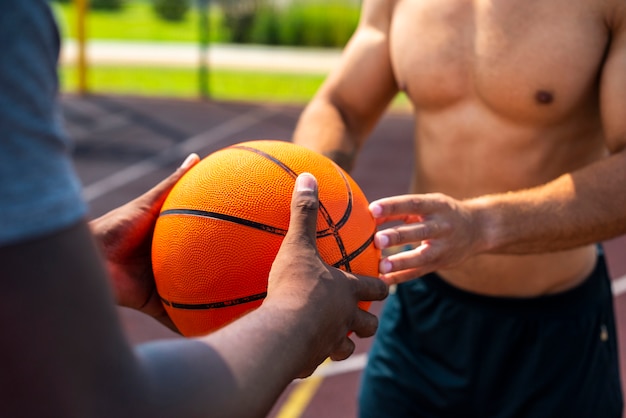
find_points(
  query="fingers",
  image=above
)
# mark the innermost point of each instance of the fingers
(156, 195)
(304, 209)
(408, 265)
(403, 276)
(191, 160)
(399, 207)
(412, 233)
(365, 324)
(370, 288)
(343, 350)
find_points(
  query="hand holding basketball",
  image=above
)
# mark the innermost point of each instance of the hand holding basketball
(125, 235)
(222, 225)
(303, 286)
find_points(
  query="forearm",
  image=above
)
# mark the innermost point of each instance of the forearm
(238, 371)
(235, 372)
(579, 208)
(355, 95)
(324, 129)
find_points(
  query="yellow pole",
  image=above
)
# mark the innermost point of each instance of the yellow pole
(81, 35)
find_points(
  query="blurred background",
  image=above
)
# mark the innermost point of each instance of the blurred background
(276, 51)
(145, 82)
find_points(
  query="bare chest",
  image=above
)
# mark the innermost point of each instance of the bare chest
(528, 60)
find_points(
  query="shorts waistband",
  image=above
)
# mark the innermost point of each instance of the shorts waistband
(589, 294)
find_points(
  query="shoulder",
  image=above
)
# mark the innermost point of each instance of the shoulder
(377, 13)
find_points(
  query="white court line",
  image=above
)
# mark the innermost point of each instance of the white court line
(351, 364)
(177, 152)
(619, 285)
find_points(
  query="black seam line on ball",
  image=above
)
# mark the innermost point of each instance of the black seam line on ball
(345, 262)
(323, 209)
(227, 218)
(214, 305)
(333, 228)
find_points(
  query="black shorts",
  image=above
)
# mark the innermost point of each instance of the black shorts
(443, 352)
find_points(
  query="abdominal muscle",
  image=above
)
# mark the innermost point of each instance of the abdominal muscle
(469, 152)
(523, 275)
(499, 110)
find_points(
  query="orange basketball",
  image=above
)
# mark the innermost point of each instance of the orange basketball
(221, 227)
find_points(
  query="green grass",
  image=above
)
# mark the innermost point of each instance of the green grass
(183, 82)
(233, 85)
(137, 22)
(320, 23)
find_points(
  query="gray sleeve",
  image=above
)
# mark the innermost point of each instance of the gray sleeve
(39, 190)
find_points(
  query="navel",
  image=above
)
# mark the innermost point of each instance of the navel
(544, 97)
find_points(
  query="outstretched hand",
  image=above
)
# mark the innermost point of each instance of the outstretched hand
(439, 229)
(125, 237)
(302, 283)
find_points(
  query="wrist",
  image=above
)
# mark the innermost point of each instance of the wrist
(98, 228)
(485, 218)
(291, 319)
(302, 322)
(294, 334)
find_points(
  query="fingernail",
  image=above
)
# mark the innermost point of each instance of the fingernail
(382, 241)
(385, 266)
(306, 183)
(189, 160)
(376, 210)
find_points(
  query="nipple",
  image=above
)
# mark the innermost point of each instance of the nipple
(544, 97)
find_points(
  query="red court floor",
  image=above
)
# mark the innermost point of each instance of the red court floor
(125, 145)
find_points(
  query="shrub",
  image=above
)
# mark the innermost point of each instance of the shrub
(172, 10)
(328, 23)
(265, 28)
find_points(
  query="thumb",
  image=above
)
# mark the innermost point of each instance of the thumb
(304, 208)
(156, 196)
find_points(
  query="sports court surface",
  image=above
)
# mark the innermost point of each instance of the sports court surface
(125, 145)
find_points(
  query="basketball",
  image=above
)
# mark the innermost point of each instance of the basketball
(222, 225)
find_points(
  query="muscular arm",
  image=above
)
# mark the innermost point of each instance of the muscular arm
(64, 343)
(577, 208)
(582, 207)
(356, 93)
(64, 353)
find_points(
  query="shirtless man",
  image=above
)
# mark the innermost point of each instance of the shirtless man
(520, 168)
